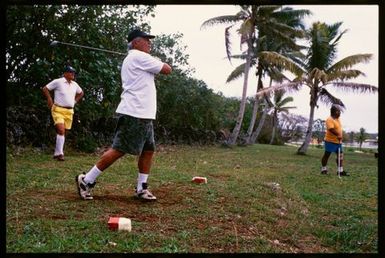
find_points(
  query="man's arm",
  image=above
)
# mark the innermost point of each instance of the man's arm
(47, 94)
(166, 69)
(336, 133)
(79, 96)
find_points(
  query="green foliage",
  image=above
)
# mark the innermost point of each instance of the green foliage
(32, 63)
(322, 70)
(361, 136)
(319, 129)
(86, 143)
(187, 110)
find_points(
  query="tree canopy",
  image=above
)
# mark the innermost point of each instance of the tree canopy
(188, 111)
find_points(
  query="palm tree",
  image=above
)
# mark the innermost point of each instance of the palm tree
(278, 106)
(361, 137)
(247, 33)
(279, 44)
(270, 22)
(319, 71)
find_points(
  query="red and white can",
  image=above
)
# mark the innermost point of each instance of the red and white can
(119, 223)
(199, 180)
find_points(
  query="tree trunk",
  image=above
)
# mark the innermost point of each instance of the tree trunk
(302, 150)
(235, 133)
(274, 127)
(255, 108)
(255, 134)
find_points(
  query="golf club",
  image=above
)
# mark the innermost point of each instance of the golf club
(55, 43)
(339, 162)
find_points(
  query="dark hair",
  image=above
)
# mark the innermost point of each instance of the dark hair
(334, 109)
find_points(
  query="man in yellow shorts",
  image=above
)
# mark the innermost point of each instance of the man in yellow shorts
(66, 94)
(333, 141)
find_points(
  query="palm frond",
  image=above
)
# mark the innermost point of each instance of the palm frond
(281, 61)
(285, 109)
(336, 40)
(296, 56)
(238, 72)
(349, 61)
(355, 87)
(332, 29)
(241, 56)
(292, 17)
(245, 30)
(289, 87)
(267, 9)
(317, 75)
(328, 98)
(283, 37)
(228, 43)
(285, 101)
(321, 52)
(276, 74)
(224, 19)
(344, 75)
(286, 28)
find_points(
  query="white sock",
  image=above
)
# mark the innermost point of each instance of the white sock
(59, 145)
(340, 169)
(92, 175)
(142, 178)
(324, 168)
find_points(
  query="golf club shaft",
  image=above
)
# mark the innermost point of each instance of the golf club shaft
(92, 48)
(339, 160)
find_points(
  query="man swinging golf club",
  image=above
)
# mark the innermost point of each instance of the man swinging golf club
(134, 133)
(333, 141)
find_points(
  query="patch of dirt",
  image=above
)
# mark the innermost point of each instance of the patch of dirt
(159, 216)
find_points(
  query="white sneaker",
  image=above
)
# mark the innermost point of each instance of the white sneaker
(83, 188)
(145, 194)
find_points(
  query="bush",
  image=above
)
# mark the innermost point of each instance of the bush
(28, 125)
(86, 143)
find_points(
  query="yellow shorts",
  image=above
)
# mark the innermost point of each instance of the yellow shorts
(62, 116)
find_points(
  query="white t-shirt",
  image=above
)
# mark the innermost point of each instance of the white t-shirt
(138, 98)
(64, 92)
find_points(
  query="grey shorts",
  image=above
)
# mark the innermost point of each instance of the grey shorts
(133, 135)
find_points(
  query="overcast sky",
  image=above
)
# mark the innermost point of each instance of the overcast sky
(207, 53)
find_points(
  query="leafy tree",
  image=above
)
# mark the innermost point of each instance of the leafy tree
(319, 130)
(292, 126)
(247, 17)
(263, 21)
(351, 137)
(361, 137)
(31, 63)
(278, 106)
(278, 28)
(319, 71)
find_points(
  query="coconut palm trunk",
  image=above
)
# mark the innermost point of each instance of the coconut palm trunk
(257, 131)
(302, 150)
(235, 133)
(255, 109)
(274, 127)
(305, 145)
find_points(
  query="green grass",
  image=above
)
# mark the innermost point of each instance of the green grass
(259, 199)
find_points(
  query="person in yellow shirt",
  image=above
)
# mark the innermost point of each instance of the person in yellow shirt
(333, 141)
